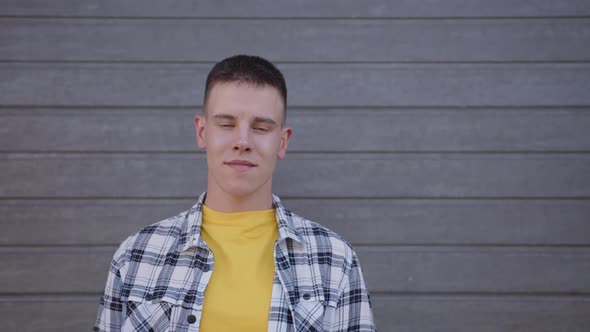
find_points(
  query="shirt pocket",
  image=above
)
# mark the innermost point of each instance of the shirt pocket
(308, 315)
(155, 313)
(144, 315)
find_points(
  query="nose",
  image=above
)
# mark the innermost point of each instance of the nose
(242, 141)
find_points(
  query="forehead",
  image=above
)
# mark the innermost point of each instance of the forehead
(245, 100)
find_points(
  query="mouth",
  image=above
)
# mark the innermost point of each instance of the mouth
(240, 165)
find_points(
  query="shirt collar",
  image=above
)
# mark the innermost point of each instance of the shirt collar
(191, 231)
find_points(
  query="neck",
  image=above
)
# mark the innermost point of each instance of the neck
(221, 201)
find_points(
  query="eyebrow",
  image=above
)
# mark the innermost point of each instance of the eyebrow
(224, 116)
(265, 120)
(257, 119)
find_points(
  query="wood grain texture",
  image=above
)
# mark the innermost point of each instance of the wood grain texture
(493, 270)
(297, 8)
(447, 140)
(302, 175)
(335, 130)
(308, 40)
(311, 85)
(386, 269)
(396, 313)
(360, 221)
(49, 313)
(479, 313)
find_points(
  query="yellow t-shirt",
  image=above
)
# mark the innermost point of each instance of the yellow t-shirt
(238, 295)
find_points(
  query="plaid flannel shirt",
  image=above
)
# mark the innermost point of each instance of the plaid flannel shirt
(158, 278)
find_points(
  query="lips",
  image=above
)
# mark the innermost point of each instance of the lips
(240, 165)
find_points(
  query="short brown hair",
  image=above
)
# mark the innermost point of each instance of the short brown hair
(248, 69)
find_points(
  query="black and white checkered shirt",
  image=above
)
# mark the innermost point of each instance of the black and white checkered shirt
(158, 278)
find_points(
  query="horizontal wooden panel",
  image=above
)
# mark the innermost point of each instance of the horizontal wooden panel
(319, 130)
(48, 313)
(310, 84)
(386, 269)
(33, 270)
(302, 175)
(297, 8)
(475, 269)
(360, 221)
(309, 40)
(482, 314)
(392, 313)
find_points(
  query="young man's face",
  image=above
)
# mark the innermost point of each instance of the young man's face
(242, 134)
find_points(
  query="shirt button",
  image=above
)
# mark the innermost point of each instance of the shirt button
(306, 297)
(191, 319)
(206, 268)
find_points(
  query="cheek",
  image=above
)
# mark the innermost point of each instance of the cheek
(217, 140)
(215, 151)
(268, 147)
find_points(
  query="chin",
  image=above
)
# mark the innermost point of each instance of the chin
(237, 190)
(239, 187)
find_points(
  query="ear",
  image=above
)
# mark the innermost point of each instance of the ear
(285, 137)
(200, 130)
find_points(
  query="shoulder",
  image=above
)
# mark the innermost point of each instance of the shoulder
(153, 240)
(323, 241)
(330, 257)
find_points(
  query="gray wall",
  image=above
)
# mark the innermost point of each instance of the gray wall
(447, 140)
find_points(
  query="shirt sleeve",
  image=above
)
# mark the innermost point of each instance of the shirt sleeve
(354, 310)
(111, 309)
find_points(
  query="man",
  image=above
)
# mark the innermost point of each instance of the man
(237, 260)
